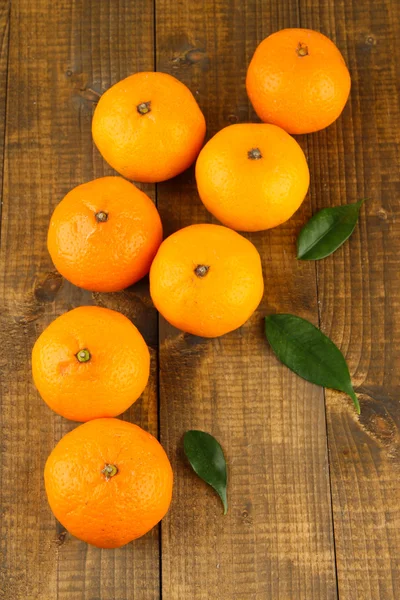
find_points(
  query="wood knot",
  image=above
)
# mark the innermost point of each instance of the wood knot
(246, 514)
(378, 422)
(84, 93)
(383, 428)
(193, 56)
(382, 214)
(61, 538)
(47, 288)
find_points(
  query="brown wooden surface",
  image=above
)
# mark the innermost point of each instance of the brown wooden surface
(277, 541)
(62, 55)
(314, 493)
(359, 290)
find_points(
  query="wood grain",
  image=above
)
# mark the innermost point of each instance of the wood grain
(62, 56)
(276, 541)
(359, 287)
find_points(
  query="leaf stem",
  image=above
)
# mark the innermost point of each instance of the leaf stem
(224, 501)
(356, 402)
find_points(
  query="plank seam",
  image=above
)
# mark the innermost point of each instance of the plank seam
(327, 448)
(323, 389)
(160, 548)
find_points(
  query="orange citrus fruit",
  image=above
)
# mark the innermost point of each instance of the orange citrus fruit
(206, 280)
(148, 127)
(252, 176)
(91, 362)
(104, 235)
(108, 482)
(298, 79)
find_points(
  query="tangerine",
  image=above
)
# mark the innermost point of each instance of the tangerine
(104, 234)
(148, 127)
(298, 79)
(90, 362)
(206, 280)
(108, 482)
(252, 176)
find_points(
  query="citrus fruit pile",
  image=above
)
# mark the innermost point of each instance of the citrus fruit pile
(108, 481)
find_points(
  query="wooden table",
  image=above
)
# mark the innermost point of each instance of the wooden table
(314, 489)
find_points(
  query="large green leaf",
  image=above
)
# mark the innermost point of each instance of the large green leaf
(309, 353)
(207, 459)
(327, 230)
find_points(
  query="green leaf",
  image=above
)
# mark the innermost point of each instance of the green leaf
(309, 353)
(207, 460)
(327, 230)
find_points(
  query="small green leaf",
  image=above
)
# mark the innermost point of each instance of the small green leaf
(207, 460)
(309, 353)
(327, 230)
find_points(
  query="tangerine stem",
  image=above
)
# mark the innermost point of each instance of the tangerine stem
(143, 108)
(302, 49)
(109, 471)
(101, 216)
(254, 154)
(83, 355)
(201, 270)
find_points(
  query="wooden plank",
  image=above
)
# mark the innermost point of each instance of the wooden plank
(276, 541)
(62, 55)
(4, 39)
(359, 287)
